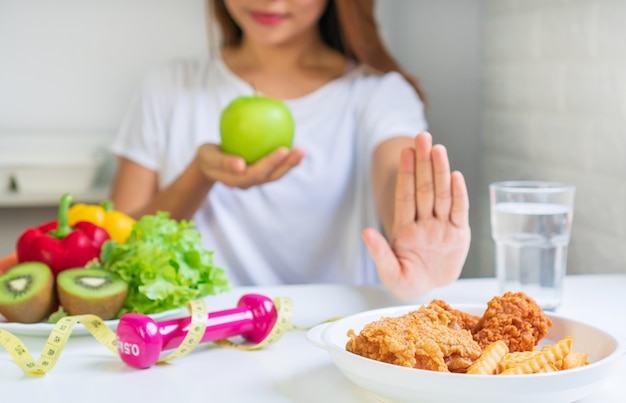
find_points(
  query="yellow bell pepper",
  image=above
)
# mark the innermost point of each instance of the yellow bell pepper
(116, 223)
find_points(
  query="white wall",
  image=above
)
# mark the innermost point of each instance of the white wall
(71, 65)
(68, 69)
(441, 42)
(556, 109)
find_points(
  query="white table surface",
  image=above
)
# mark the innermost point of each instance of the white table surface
(291, 370)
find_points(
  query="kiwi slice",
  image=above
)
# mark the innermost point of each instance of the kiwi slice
(91, 291)
(27, 292)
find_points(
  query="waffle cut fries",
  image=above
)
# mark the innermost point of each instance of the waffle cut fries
(488, 361)
(496, 360)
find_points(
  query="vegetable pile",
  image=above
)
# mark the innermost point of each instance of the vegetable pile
(164, 263)
(106, 260)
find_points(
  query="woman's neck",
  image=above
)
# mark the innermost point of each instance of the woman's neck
(285, 71)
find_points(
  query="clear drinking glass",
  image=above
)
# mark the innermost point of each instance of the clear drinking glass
(531, 224)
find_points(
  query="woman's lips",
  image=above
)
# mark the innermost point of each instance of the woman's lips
(267, 18)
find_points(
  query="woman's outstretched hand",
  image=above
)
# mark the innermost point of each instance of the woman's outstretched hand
(430, 238)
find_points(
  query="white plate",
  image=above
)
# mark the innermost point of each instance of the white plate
(43, 329)
(392, 383)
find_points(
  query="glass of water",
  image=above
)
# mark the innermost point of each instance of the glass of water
(531, 223)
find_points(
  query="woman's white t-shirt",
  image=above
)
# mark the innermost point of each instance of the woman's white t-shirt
(305, 227)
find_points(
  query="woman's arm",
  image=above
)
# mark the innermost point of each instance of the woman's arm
(425, 217)
(135, 189)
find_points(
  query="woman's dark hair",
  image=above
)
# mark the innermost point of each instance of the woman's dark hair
(347, 26)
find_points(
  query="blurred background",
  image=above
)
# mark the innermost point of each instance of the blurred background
(517, 89)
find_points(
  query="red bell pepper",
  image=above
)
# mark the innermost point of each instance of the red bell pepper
(60, 246)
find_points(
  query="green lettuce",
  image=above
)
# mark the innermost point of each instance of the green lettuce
(164, 264)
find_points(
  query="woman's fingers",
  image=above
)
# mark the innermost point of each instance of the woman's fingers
(405, 207)
(261, 170)
(433, 181)
(424, 183)
(273, 166)
(213, 159)
(459, 210)
(292, 160)
(441, 176)
(383, 256)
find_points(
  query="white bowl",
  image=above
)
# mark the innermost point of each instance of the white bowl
(392, 383)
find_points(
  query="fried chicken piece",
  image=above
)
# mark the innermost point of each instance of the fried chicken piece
(515, 318)
(428, 338)
(466, 320)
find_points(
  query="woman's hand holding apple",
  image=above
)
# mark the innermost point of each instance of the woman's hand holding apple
(257, 134)
(231, 170)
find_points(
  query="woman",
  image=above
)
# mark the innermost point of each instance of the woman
(357, 165)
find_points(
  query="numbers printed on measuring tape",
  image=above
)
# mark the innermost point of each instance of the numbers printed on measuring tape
(199, 317)
(60, 334)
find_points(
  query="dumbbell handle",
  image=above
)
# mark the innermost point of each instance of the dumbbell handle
(140, 339)
(220, 325)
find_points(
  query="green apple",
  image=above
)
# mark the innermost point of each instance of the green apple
(253, 126)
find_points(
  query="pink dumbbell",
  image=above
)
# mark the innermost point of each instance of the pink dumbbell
(140, 340)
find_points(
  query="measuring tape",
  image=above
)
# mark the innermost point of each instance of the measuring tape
(284, 308)
(199, 316)
(55, 343)
(63, 328)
